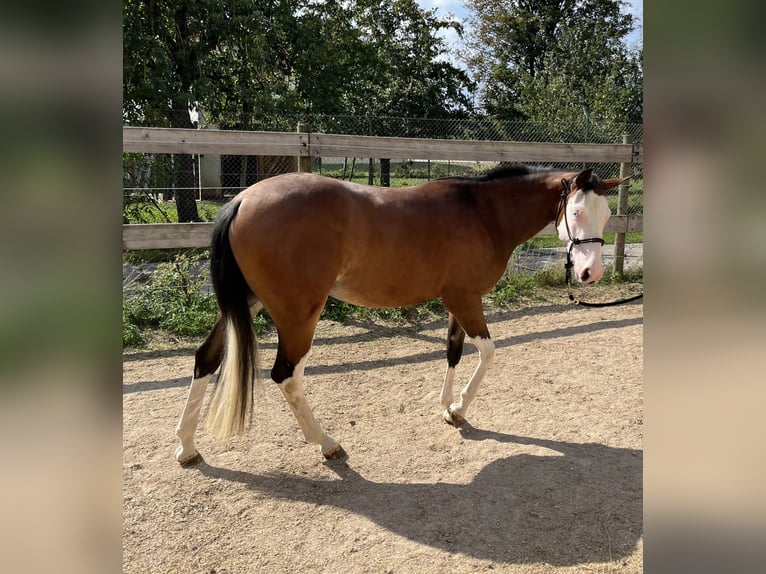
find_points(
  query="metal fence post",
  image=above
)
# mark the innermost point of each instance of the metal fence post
(304, 161)
(385, 172)
(626, 169)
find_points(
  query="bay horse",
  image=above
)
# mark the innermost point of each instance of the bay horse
(288, 242)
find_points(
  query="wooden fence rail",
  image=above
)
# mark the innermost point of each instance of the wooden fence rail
(185, 235)
(185, 141)
(223, 142)
(304, 144)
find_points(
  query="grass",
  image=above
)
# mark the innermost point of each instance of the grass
(171, 299)
(548, 241)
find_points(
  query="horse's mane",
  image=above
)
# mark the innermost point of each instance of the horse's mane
(504, 171)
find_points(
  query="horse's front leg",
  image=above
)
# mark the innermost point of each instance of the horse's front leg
(466, 318)
(455, 413)
(455, 338)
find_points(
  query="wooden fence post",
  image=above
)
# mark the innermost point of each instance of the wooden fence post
(626, 168)
(304, 161)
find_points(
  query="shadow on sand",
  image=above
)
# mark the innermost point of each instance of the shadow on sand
(381, 333)
(578, 504)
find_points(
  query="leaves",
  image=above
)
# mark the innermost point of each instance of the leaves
(243, 61)
(554, 60)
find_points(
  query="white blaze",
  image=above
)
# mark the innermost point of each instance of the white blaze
(586, 214)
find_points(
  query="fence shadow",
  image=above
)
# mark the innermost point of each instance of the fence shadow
(577, 504)
(375, 363)
(371, 331)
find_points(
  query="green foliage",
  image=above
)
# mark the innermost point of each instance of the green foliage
(131, 333)
(163, 255)
(141, 207)
(514, 285)
(554, 61)
(635, 198)
(633, 275)
(241, 61)
(403, 173)
(548, 241)
(510, 288)
(335, 310)
(171, 300)
(340, 311)
(138, 208)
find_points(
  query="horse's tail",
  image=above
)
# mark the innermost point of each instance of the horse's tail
(233, 395)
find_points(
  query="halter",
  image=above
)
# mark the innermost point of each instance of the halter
(565, 190)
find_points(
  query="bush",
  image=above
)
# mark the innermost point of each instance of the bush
(511, 287)
(172, 300)
(131, 334)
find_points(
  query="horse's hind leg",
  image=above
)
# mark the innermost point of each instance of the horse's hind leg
(207, 359)
(292, 354)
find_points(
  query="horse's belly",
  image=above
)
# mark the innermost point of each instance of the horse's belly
(379, 292)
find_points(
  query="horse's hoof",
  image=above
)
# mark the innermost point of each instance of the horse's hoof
(336, 453)
(190, 460)
(452, 418)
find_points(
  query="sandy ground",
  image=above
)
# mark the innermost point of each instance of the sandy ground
(545, 477)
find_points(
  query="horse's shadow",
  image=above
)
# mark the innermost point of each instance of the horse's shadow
(580, 503)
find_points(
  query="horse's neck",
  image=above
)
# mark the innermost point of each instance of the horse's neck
(523, 209)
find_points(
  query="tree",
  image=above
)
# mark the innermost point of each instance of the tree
(417, 82)
(229, 58)
(553, 60)
(287, 57)
(160, 56)
(246, 61)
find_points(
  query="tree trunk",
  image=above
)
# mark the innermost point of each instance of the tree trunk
(185, 180)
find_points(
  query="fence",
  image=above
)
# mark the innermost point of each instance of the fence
(214, 176)
(150, 154)
(473, 128)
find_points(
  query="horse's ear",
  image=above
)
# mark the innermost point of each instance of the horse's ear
(582, 179)
(614, 182)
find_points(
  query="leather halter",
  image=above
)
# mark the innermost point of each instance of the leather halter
(565, 191)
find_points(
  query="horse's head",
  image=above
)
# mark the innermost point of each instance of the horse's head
(581, 222)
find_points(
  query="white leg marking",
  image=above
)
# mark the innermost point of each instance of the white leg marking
(445, 398)
(186, 451)
(486, 356)
(292, 389)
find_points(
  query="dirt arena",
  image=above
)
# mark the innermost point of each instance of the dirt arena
(545, 477)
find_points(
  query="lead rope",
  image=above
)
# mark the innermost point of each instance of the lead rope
(569, 264)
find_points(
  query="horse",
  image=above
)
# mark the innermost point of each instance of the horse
(289, 242)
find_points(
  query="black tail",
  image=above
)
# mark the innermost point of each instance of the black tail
(234, 393)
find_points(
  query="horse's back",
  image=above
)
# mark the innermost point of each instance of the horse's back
(305, 207)
(372, 246)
